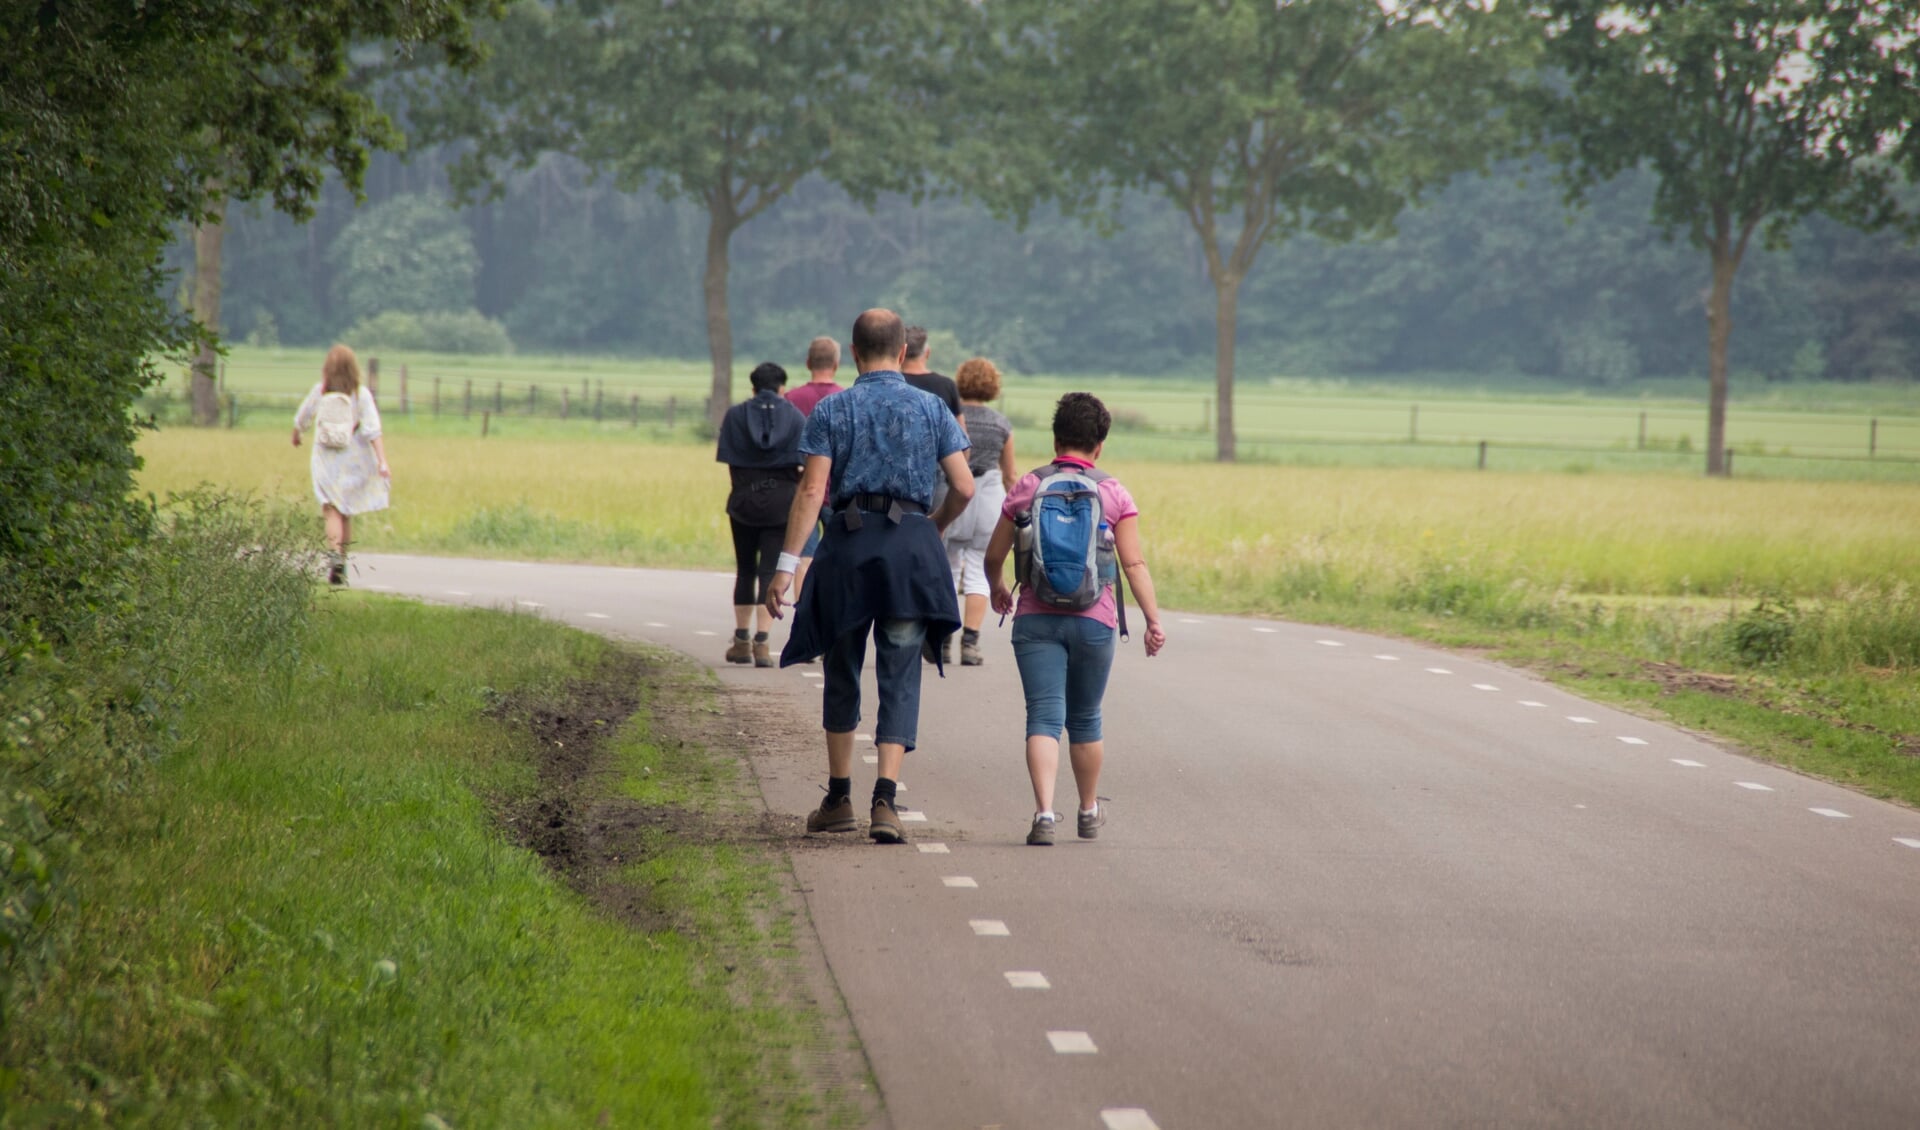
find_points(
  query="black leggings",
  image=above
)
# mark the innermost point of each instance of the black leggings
(749, 542)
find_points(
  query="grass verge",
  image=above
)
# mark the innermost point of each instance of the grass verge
(313, 917)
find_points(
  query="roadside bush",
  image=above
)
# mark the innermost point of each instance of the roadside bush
(218, 592)
(464, 331)
(1765, 632)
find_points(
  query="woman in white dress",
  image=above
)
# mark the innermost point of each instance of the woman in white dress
(351, 479)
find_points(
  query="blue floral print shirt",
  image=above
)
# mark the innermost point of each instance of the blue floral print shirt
(884, 437)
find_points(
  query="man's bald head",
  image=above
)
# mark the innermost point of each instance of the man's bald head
(878, 337)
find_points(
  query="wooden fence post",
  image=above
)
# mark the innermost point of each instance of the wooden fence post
(566, 395)
(466, 405)
(533, 398)
(1483, 455)
(486, 421)
(1873, 438)
(406, 407)
(233, 411)
(500, 397)
(670, 407)
(436, 398)
(373, 377)
(1729, 471)
(1413, 425)
(599, 397)
(636, 410)
(1643, 432)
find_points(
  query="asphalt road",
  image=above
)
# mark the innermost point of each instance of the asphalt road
(1346, 882)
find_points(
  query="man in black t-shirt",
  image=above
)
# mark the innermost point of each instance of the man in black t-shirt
(925, 379)
(915, 369)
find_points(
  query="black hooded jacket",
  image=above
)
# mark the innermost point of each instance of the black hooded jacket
(760, 444)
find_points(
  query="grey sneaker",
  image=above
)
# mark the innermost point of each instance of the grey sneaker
(832, 816)
(970, 654)
(1041, 834)
(884, 824)
(1092, 822)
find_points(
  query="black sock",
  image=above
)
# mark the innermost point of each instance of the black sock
(839, 789)
(759, 637)
(970, 636)
(739, 633)
(883, 789)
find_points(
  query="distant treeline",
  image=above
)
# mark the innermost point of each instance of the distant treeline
(1495, 276)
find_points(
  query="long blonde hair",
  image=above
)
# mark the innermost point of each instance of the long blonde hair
(340, 372)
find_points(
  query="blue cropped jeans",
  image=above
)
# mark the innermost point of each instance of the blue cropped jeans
(1064, 662)
(896, 668)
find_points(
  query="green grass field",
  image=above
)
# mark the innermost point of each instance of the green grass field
(1795, 431)
(312, 917)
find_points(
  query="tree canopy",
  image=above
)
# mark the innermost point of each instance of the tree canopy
(1751, 115)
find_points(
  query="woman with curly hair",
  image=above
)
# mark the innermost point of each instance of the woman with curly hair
(350, 474)
(991, 461)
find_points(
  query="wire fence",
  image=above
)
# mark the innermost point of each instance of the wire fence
(1171, 425)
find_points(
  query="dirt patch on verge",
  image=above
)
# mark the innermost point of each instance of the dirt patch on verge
(1673, 678)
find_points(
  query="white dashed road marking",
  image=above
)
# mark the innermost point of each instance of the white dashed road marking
(933, 849)
(1485, 687)
(1190, 620)
(870, 758)
(989, 927)
(811, 675)
(1023, 979)
(863, 737)
(1633, 741)
(913, 817)
(1530, 702)
(1388, 658)
(1755, 786)
(960, 881)
(1438, 671)
(1072, 1043)
(377, 588)
(1579, 721)
(598, 616)
(1832, 812)
(1905, 842)
(655, 624)
(458, 592)
(537, 604)
(1128, 1118)
(1329, 643)
(1687, 763)
(1268, 631)
(704, 632)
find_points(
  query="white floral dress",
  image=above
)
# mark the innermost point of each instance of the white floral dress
(347, 478)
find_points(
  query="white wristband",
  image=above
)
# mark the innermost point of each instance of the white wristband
(789, 563)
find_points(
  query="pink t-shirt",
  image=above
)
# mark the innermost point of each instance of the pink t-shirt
(1115, 504)
(812, 393)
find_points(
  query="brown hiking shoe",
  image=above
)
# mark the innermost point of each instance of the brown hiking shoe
(1041, 834)
(885, 826)
(1092, 822)
(762, 656)
(739, 650)
(832, 816)
(970, 654)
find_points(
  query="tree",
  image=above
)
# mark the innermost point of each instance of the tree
(411, 254)
(729, 103)
(1258, 120)
(1752, 114)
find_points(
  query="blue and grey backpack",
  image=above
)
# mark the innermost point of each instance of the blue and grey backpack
(1063, 544)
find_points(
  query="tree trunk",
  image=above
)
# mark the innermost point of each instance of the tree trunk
(207, 239)
(720, 225)
(1226, 319)
(1719, 331)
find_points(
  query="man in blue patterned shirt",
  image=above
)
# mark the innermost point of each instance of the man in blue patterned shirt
(873, 452)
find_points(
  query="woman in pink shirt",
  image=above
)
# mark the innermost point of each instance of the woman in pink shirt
(1065, 656)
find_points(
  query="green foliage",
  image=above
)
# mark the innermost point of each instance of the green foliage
(408, 255)
(440, 331)
(310, 917)
(117, 124)
(217, 594)
(1764, 633)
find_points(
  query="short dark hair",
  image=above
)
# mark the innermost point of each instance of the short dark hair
(878, 335)
(1081, 422)
(767, 375)
(916, 340)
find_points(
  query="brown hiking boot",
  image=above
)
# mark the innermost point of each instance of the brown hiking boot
(970, 653)
(762, 656)
(832, 816)
(885, 826)
(739, 650)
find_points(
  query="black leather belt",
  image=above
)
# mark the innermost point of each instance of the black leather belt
(851, 506)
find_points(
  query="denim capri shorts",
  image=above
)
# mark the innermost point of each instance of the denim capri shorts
(1064, 662)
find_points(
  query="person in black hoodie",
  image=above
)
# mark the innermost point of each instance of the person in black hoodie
(760, 444)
